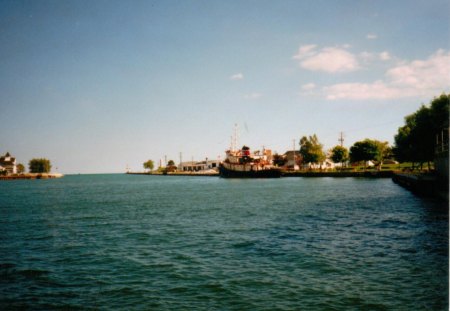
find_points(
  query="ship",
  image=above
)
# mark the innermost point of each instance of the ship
(245, 164)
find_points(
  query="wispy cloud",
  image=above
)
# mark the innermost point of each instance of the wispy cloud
(371, 36)
(308, 86)
(421, 78)
(361, 91)
(327, 59)
(385, 56)
(252, 96)
(237, 76)
(308, 89)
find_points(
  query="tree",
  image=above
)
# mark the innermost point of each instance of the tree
(279, 160)
(339, 154)
(365, 150)
(149, 165)
(170, 163)
(20, 168)
(415, 141)
(311, 149)
(39, 165)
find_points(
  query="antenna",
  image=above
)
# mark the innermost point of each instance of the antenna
(341, 139)
(235, 138)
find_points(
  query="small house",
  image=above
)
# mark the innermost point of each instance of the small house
(8, 164)
(293, 160)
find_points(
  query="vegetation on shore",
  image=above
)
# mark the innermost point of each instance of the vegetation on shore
(414, 145)
(39, 165)
(149, 165)
(416, 140)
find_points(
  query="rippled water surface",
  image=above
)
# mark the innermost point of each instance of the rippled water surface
(177, 243)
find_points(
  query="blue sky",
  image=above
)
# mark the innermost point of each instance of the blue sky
(98, 85)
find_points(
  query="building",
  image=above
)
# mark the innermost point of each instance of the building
(194, 166)
(8, 164)
(293, 160)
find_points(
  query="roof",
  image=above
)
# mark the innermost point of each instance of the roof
(296, 152)
(7, 159)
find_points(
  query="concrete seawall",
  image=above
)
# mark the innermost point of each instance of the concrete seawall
(367, 174)
(423, 185)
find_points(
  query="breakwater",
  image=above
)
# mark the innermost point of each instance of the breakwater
(365, 174)
(31, 176)
(208, 174)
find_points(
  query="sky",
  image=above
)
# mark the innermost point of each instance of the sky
(102, 86)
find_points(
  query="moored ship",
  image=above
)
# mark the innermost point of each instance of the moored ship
(244, 164)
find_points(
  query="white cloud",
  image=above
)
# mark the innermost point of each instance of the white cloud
(305, 51)
(308, 86)
(421, 78)
(371, 36)
(237, 76)
(432, 73)
(385, 56)
(328, 59)
(252, 96)
(361, 91)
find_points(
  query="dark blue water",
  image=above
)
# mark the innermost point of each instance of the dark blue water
(182, 243)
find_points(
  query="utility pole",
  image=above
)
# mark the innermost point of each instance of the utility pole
(235, 137)
(293, 154)
(341, 139)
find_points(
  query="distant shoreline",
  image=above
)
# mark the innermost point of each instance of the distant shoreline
(370, 174)
(32, 176)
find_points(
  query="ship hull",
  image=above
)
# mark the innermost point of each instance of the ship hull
(267, 173)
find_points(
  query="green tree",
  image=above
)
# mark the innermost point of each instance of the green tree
(20, 168)
(415, 141)
(149, 165)
(339, 154)
(365, 150)
(279, 160)
(170, 163)
(311, 149)
(39, 165)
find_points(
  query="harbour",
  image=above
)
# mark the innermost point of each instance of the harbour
(103, 241)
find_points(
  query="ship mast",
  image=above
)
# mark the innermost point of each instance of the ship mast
(234, 138)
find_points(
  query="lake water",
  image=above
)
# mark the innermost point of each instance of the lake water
(182, 243)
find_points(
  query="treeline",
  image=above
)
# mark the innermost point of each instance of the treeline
(40, 165)
(36, 165)
(311, 151)
(415, 141)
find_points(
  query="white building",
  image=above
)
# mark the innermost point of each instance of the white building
(194, 166)
(293, 160)
(8, 164)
